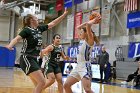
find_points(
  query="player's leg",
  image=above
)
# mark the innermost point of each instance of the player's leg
(49, 75)
(50, 79)
(31, 68)
(86, 82)
(60, 83)
(38, 77)
(68, 83)
(58, 76)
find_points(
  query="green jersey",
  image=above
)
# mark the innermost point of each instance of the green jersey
(32, 39)
(54, 56)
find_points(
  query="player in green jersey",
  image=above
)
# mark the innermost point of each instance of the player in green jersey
(32, 41)
(52, 69)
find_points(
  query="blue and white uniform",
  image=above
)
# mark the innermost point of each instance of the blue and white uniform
(83, 68)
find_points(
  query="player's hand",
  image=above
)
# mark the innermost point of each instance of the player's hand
(105, 66)
(97, 19)
(65, 11)
(67, 58)
(9, 47)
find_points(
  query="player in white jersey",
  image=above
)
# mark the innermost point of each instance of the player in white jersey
(83, 69)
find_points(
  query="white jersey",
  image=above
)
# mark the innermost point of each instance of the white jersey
(84, 51)
(83, 68)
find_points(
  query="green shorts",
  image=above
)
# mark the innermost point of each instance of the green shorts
(28, 64)
(52, 69)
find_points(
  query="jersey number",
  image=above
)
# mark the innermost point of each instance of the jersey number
(58, 57)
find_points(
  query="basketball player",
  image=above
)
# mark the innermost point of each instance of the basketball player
(32, 41)
(52, 68)
(83, 69)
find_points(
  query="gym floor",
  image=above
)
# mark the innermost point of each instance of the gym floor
(13, 80)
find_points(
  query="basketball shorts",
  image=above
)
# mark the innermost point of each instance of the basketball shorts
(52, 69)
(29, 64)
(82, 70)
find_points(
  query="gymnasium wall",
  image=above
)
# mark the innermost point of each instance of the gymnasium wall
(123, 69)
(5, 27)
(117, 35)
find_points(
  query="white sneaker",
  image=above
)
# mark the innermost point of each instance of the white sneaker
(124, 82)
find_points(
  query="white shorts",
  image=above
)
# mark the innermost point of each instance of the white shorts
(82, 70)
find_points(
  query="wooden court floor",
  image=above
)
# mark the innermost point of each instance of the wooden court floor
(14, 81)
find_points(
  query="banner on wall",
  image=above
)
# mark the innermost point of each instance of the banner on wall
(133, 20)
(59, 5)
(78, 1)
(68, 3)
(82, 6)
(78, 21)
(96, 51)
(86, 5)
(72, 51)
(70, 26)
(51, 9)
(105, 24)
(134, 50)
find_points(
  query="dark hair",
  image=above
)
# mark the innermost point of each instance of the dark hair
(26, 20)
(55, 36)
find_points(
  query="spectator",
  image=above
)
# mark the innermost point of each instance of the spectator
(103, 61)
(135, 75)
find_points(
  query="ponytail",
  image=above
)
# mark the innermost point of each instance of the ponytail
(96, 39)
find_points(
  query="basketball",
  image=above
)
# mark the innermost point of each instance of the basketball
(93, 15)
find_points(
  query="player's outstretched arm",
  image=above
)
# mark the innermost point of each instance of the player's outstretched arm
(57, 20)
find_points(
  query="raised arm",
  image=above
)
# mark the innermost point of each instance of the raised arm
(58, 20)
(44, 54)
(90, 22)
(90, 34)
(81, 25)
(46, 51)
(13, 42)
